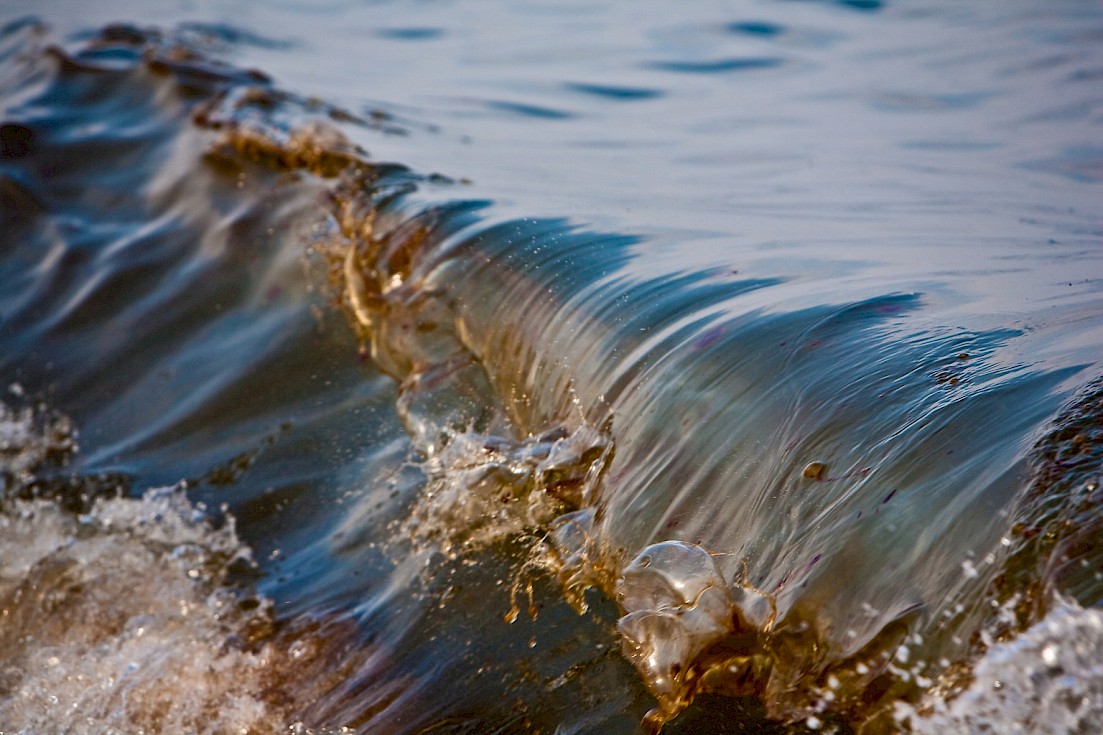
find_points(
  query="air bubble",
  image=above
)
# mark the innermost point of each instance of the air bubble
(676, 604)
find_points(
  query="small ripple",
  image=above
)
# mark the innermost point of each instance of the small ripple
(1079, 163)
(615, 92)
(1086, 75)
(411, 33)
(955, 146)
(756, 28)
(27, 22)
(916, 102)
(865, 6)
(225, 34)
(861, 4)
(531, 111)
(868, 6)
(718, 66)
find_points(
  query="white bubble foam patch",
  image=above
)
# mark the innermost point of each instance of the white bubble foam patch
(117, 621)
(1047, 681)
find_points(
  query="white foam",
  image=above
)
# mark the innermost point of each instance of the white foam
(118, 621)
(122, 619)
(1047, 681)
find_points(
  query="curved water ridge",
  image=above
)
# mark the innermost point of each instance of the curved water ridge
(815, 505)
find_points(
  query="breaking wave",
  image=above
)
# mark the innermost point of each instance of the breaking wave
(839, 506)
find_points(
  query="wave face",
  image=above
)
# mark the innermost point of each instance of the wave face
(295, 438)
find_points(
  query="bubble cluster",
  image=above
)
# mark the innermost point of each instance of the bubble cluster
(677, 604)
(687, 629)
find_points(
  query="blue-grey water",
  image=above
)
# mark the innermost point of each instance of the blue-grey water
(441, 367)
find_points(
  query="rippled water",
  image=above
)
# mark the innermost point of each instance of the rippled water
(738, 371)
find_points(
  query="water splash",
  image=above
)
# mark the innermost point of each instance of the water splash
(515, 423)
(177, 653)
(482, 489)
(1046, 681)
(135, 614)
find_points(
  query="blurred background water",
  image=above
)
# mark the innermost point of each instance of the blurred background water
(318, 319)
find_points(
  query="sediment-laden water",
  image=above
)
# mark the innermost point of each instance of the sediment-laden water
(739, 373)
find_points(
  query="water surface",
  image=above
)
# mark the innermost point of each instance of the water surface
(357, 359)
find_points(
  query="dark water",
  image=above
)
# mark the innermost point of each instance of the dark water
(740, 373)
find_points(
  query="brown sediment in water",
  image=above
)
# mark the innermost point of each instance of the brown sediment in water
(1054, 539)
